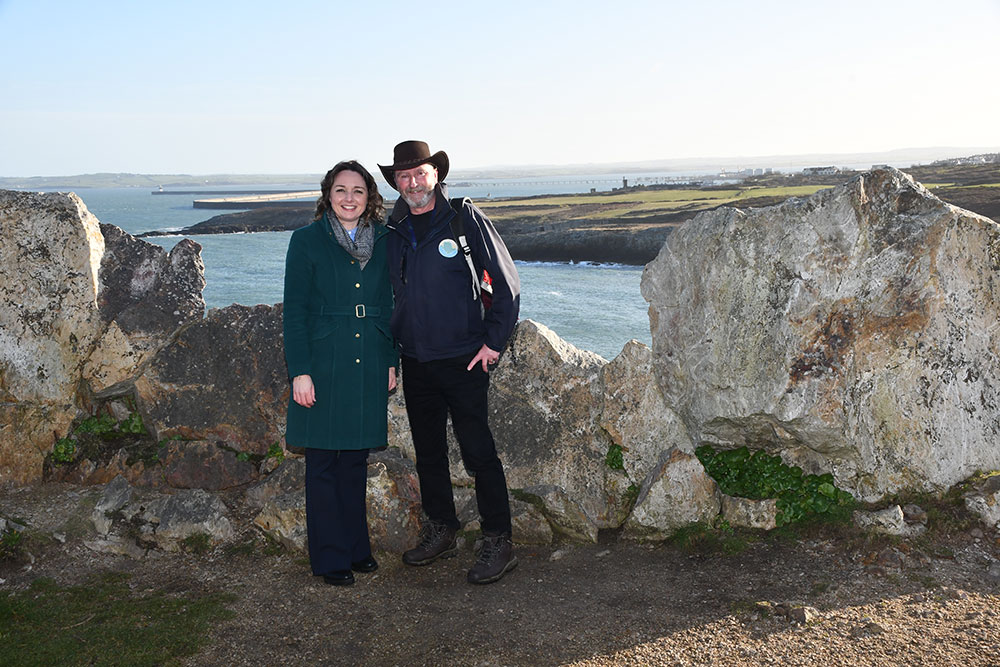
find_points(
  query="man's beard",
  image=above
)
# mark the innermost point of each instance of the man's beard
(423, 201)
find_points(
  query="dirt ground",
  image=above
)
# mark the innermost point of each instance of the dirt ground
(876, 602)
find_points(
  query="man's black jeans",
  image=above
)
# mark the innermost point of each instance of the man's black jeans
(432, 389)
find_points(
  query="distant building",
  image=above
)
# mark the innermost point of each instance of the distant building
(820, 171)
(983, 158)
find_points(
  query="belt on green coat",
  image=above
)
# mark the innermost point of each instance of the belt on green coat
(359, 311)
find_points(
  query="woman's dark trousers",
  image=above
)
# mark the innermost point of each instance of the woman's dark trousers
(336, 519)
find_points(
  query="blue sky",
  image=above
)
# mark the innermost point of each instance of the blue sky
(292, 87)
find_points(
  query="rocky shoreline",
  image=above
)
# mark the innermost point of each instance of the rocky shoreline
(527, 241)
(596, 228)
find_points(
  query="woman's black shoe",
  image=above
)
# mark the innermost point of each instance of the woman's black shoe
(365, 565)
(343, 578)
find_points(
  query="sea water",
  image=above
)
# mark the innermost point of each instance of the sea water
(595, 307)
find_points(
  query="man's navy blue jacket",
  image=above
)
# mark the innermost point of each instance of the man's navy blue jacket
(436, 315)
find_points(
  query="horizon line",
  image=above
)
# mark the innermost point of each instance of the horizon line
(621, 164)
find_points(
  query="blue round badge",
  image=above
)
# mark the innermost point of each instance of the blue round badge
(448, 248)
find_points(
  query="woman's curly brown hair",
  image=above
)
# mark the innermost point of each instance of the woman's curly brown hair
(374, 211)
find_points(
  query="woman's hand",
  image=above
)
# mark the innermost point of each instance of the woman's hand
(392, 378)
(303, 391)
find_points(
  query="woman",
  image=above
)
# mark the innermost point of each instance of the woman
(342, 363)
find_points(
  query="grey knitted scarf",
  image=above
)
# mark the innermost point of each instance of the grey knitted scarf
(364, 239)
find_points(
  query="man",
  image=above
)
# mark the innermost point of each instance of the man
(448, 339)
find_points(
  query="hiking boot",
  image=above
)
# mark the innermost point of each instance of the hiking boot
(496, 558)
(437, 540)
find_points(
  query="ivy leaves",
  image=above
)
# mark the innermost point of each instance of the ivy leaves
(758, 475)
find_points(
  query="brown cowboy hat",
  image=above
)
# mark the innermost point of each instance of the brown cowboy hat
(410, 154)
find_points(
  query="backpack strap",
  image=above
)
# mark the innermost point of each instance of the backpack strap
(458, 229)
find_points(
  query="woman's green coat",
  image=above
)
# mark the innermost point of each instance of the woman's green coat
(347, 356)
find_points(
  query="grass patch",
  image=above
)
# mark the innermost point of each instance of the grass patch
(702, 538)
(637, 203)
(819, 587)
(11, 545)
(197, 543)
(272, 547)
(241, 550)
(103, 623)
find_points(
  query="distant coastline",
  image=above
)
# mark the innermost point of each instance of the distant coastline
(899, 158)
(630, 225)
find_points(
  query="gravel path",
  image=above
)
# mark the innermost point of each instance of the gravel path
(841, 599)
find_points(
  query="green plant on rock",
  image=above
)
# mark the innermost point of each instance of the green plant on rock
(275, 451)
(64, 451)
(758, 475)
(615, 459)
(97, 425)
(132, 424)
(631, 494)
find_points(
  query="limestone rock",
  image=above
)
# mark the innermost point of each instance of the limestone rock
(564, 514)
(797, 613)
(50, 254)
(749, 513)
(393, 505)
(117, 546)
(545, 402)
(148, 291)
(529, 525)
(889, 521)
(171, 519)
(466, 508)
(82, 306)
(677, 492)
(222, 378)
(289, 476)
(545, 406)
(393, 501)
(399, 437)
(914, 514)
(117, 493)
(986, 506)
(10, 526)
(98, 472)
(634, 413)
(283, 518)
(203, 465)
(146, 295)
(838, 330)
(983, 499)
(27, 433)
